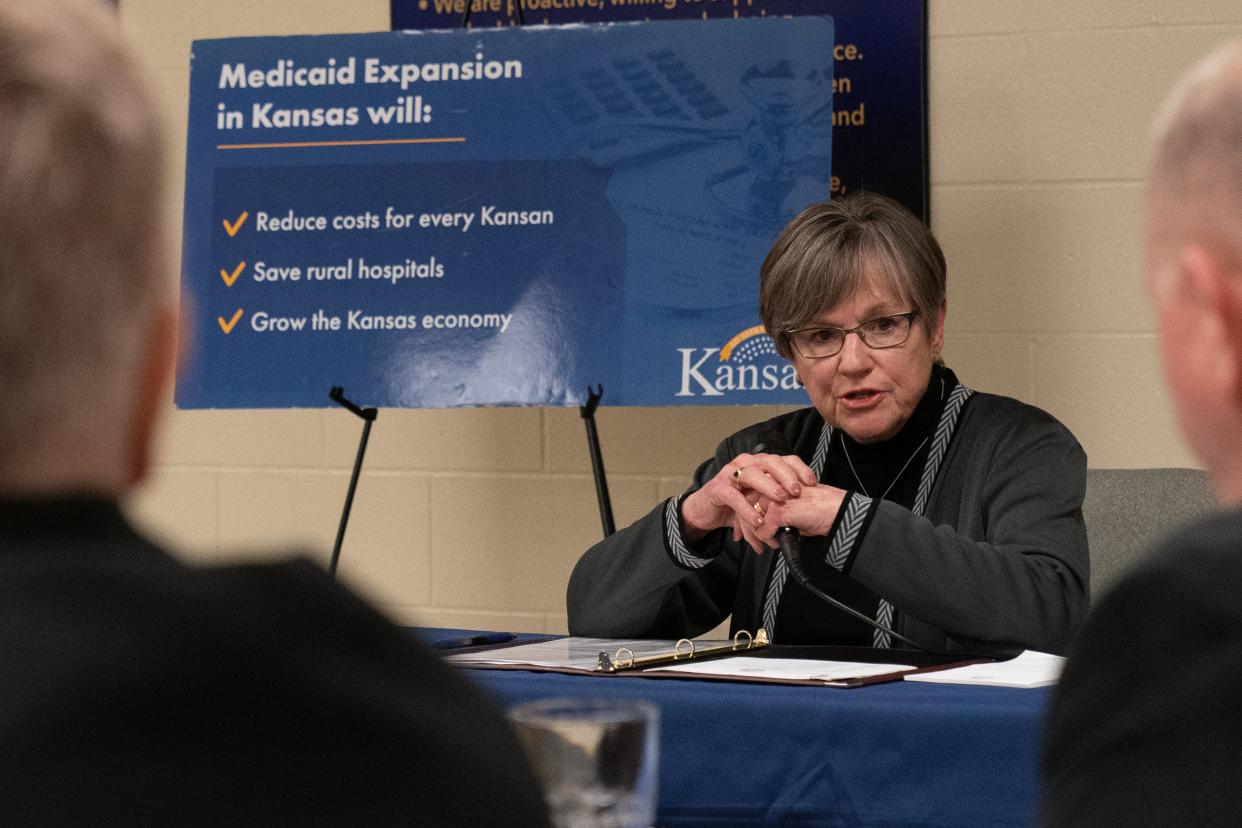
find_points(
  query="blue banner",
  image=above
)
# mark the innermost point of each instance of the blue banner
(497, 217)
(880, 123)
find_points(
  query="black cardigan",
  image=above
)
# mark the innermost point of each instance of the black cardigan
(997, 564)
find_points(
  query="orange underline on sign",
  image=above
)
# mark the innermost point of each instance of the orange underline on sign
(727, 350)
(368, 143)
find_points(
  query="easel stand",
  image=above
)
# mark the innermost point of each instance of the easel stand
(597, 459)
(368, 416)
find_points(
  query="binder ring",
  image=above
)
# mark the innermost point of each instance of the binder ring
(683, 650)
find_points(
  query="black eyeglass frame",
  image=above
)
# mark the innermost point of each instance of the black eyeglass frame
(909, 316)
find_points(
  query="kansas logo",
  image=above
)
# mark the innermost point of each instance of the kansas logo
(747, 362)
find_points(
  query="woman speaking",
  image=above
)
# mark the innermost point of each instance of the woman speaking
(949, 516)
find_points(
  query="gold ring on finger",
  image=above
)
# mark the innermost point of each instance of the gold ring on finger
(758, 508)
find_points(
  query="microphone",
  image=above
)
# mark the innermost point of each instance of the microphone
(773, 442)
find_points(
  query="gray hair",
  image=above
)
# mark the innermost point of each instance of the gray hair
(831, 249)
(1197, 158)
(82, 245)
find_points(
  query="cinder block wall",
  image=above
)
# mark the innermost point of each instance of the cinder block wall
(473, 518)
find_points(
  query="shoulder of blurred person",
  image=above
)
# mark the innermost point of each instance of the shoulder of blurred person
(1144, 727)
(138, 689)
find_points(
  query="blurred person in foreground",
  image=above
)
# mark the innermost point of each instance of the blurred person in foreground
(1145, 726)
(950, 516)
(134, 689)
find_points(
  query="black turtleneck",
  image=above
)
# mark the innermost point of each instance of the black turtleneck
(803, 618)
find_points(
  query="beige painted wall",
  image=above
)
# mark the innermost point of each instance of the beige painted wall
(474, 517)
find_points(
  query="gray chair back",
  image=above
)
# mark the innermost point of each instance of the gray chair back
(1128, 510)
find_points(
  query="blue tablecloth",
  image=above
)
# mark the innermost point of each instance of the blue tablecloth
(893, 754)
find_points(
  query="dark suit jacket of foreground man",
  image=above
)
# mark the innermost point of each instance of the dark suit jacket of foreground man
(136, 690)
(1145, 727)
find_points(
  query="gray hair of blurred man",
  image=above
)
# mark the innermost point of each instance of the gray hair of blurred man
(1195, 187)
(83, 287)
(833, 248)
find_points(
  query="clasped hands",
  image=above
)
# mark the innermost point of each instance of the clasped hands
(756, 494)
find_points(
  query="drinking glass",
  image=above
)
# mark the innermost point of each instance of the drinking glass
(597, 759)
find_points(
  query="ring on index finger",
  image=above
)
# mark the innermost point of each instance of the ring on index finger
(737, 478)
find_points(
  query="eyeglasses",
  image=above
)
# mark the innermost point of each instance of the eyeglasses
(877, 334)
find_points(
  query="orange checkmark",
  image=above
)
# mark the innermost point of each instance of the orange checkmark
(232, 228)
(227, 327)
(230, 278)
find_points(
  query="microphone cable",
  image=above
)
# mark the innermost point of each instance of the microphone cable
(787, 537)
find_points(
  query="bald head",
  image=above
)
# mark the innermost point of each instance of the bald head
(1196, 180)
(1193, 260)
(82, 273)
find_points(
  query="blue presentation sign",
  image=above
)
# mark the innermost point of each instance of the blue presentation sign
(880, 123)
(497, 217)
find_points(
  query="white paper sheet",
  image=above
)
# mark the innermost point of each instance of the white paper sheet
(784, 668)
(1030, 669)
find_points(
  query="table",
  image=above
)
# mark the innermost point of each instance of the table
(888, 755)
